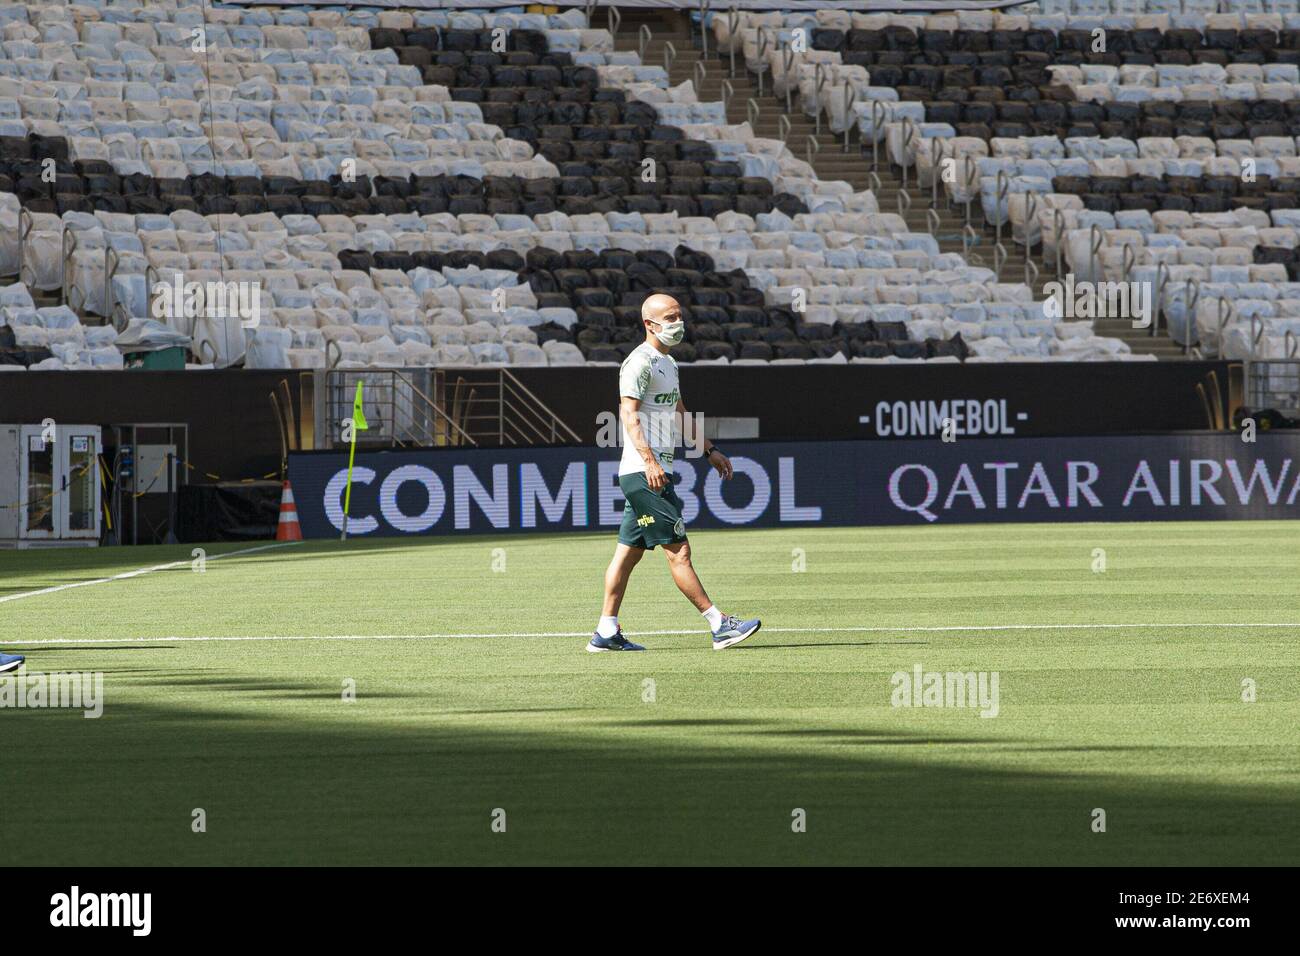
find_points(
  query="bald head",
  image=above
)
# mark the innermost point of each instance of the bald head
(662, 318)
(661, 308)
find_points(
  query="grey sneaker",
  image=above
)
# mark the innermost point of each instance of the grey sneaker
(733, 630)
(616, 643)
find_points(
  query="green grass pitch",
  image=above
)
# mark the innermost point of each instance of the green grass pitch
(1146, 722)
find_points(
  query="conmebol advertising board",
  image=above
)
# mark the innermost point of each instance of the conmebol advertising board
(1168, 477)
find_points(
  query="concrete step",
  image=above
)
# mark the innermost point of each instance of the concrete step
(831, 162)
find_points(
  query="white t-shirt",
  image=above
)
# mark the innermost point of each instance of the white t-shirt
(650, 377)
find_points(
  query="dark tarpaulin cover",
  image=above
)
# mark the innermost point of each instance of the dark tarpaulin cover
(229, 511)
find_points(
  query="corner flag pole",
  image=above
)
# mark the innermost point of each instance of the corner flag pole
(359, 423)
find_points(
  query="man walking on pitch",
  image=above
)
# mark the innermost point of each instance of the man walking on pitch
(649, 400)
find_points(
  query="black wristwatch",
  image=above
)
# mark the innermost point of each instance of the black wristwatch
(711, 450)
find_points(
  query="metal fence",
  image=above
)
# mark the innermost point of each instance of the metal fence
(1274, 383)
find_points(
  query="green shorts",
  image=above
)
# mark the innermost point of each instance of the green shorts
(650, 518)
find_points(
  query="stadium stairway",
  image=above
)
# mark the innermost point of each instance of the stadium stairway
(831, 162)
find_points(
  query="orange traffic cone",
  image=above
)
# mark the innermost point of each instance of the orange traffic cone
(289, 529)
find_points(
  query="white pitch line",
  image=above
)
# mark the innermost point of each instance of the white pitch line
(139, 571)
(767, 630)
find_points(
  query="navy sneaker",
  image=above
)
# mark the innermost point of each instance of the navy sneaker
(616, 643)
(10, 662)
(733, 630)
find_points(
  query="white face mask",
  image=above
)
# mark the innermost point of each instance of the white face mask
(670, 333)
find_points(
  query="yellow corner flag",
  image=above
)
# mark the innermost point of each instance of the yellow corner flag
(358, 416)
(358, 423)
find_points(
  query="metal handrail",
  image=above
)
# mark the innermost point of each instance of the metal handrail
(1002, 188)
(733, 24)
(403, 413)
(536, 403)
(109, 272)
(787, 63)
(1058, 234)
(25, 226)
(1031, 219)
(704, 30)
(850, 101)
(436, 407)
(698, 75)
(1190, 286)
(1291, 343)
(932, 221)
(149, 286)
(728, 91)
(971, 171)
(969, 239)
(199, 354)
(936, 164)
(1095, 240)
(119, 313)
(909, 133)
(79, 304)
(752, 111)
(783, 127)
(615, 19)
(1031, 274)
(1256, 334)
(338, 353)
(999, 260)
(589, 11)
(904, 200)
(811, 148)
(1158, 306)
(1127, 260)
(643, 39)
(506, 409)
(68, 245)
(763, 44)
(819, 83)
(1226, 310)
(670, 56)
(878, 111)
(876, 185)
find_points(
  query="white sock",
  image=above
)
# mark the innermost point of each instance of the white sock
(608, 626)
(713, 616)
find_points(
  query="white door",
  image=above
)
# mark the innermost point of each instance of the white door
(78, 515)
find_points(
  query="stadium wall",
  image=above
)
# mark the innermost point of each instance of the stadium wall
(232, 427)
(234, 433)
(908, 401)
(1203, 476)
